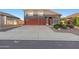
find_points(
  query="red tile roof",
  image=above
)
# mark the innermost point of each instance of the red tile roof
(73, 15)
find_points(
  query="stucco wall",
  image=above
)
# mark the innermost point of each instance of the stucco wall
(2, 20)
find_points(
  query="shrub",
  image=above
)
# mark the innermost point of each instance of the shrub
(76, 21)
(56, 26)
(64, 26)
(70, 26)
(62, 22)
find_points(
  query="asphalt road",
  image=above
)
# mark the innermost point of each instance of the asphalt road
(38, 44)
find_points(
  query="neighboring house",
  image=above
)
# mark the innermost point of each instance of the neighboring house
(8, 19)
(40, 17)
(73, 15)
(70, 18)
(20, 22)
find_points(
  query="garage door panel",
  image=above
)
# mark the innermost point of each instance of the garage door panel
(32, 21)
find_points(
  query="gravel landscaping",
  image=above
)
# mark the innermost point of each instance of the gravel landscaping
(73, 31)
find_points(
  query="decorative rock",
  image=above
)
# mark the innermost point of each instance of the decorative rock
(59, 29)
(75, 26)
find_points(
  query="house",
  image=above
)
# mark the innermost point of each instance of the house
(20, 22)
(8, 19)
(73, 15)
(40, 17)
(71, 18)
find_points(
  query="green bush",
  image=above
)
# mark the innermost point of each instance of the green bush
(63, 26)
(56, 26)
(76, 21)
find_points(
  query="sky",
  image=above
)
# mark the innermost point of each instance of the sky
(66, 12)
(19, 12)
(16, 12)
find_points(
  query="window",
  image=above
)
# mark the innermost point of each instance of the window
(40, 13)
(30, 13)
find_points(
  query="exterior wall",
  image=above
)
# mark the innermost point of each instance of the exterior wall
(34, 12)
(10, 21)
(20, 22)
(2, 19)
(13, 21)
(5, 21)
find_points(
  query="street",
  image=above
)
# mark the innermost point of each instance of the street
(38, 44)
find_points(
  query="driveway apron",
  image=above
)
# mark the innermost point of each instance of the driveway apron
(36, 32)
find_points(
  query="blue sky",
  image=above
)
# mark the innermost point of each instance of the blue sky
(19, 12)
(66, 12)
(16, 12)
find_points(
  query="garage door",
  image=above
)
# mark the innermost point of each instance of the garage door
(35, 21)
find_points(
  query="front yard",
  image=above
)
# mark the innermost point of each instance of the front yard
(64, 26)
(73, 31)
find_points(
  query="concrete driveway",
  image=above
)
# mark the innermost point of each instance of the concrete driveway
(29, 32)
